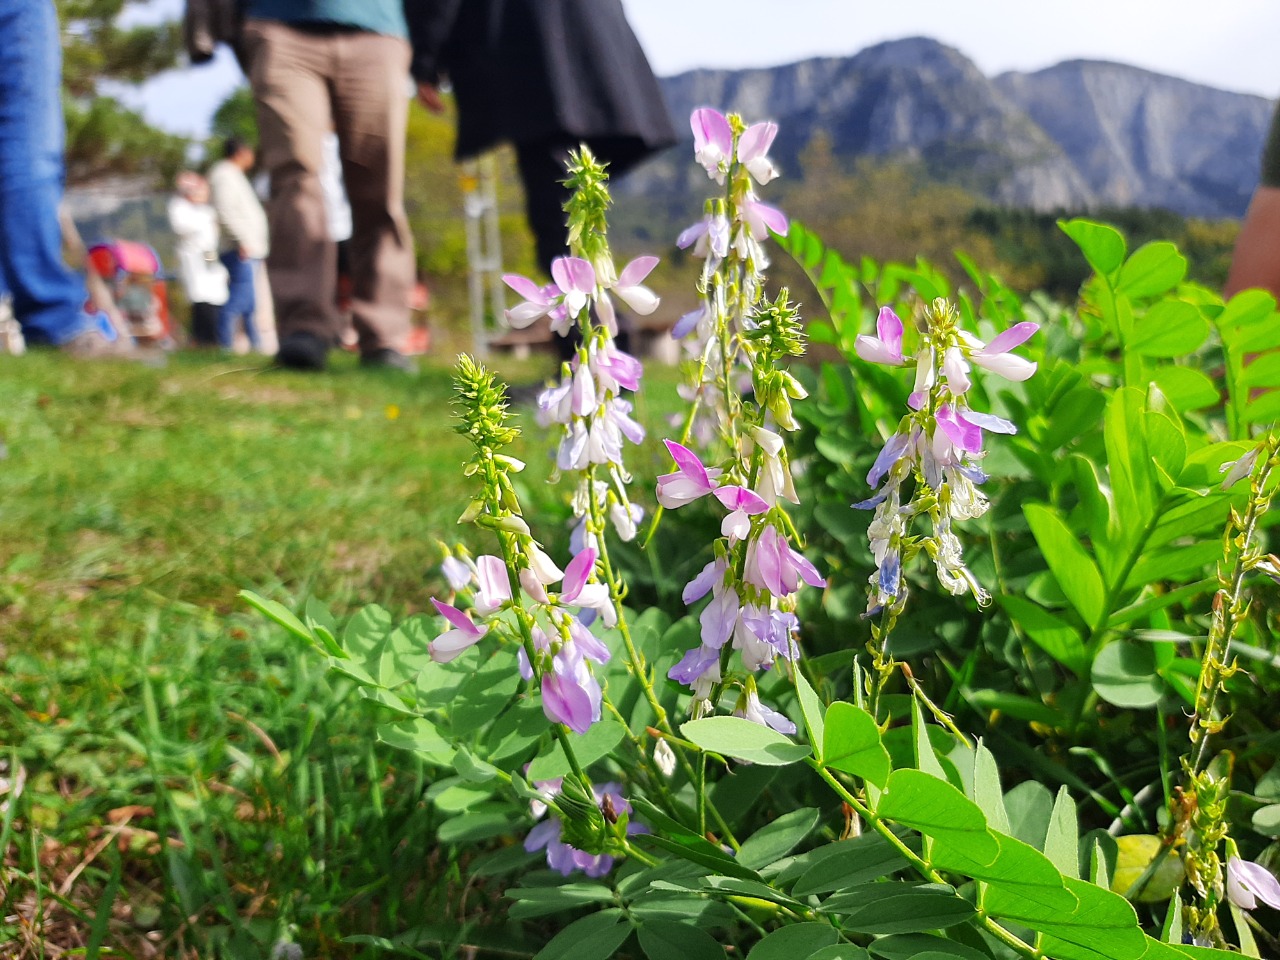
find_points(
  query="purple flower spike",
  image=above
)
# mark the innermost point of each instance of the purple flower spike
(886, 346)
(464, 634)
(691, 481)
(712, 141)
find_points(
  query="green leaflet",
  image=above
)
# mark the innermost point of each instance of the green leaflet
(851, 743)
(743, 740)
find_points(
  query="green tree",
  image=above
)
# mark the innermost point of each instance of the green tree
(104, 138)
(237, 116)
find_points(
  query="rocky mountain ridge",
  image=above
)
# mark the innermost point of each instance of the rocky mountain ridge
(1078, 135)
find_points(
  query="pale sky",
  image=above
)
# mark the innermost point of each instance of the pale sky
(1231, 44)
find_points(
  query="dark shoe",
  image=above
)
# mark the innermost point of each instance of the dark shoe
(302, 351)
(389, 359)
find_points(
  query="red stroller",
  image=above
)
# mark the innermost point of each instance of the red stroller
(136, 279)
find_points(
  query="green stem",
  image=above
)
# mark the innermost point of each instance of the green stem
(920, 865)
(635, 660)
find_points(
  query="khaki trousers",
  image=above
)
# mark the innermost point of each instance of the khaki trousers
(307, 82)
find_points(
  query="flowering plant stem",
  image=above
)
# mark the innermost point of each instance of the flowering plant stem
(1199, 813)
(640, 669)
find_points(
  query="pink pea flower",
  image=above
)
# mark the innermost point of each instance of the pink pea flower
(541, 643)
(555, 404)
(886, 346)
(538, 301)
(583, 392)
(762, 218)
(755, 711)
(742, 504)
(753, 147)
(614, 368)
(493, 585)
(633, 292)
(578, 592)
(451, 643)
(963, 428)
(577, 279)
(690, 481)
(718, 619)
(712, 141)
(772, 565)
(570, 694)
(457, 572)
(696, 663)
(630, 287)
(1249, 882)
(995, 356)
(709, 237)
(955, 370)
(709, 577)
(689, 322)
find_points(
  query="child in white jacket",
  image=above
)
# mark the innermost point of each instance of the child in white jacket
(195, 224)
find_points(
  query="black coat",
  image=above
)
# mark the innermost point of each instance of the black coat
(530, 71)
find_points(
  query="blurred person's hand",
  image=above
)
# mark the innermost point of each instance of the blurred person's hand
(429, 97)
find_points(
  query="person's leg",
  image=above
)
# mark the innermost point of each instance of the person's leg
(370, 110)
(288, 70)
(542, 171)
(204, 324)
(250, 304)
(228, 312)
(48, 298)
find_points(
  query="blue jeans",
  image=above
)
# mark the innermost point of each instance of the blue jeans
(240, 301)
(48, 298)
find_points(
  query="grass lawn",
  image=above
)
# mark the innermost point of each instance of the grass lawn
(194, 784)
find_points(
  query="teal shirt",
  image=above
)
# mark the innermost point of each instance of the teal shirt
(377, 16)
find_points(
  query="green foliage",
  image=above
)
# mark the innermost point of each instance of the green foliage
(236, 116)
(104, 138)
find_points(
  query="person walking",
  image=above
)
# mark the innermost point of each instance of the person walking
(544, 75)
(313, 65)
(204, 278)
(49, 300)
(244, 239)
